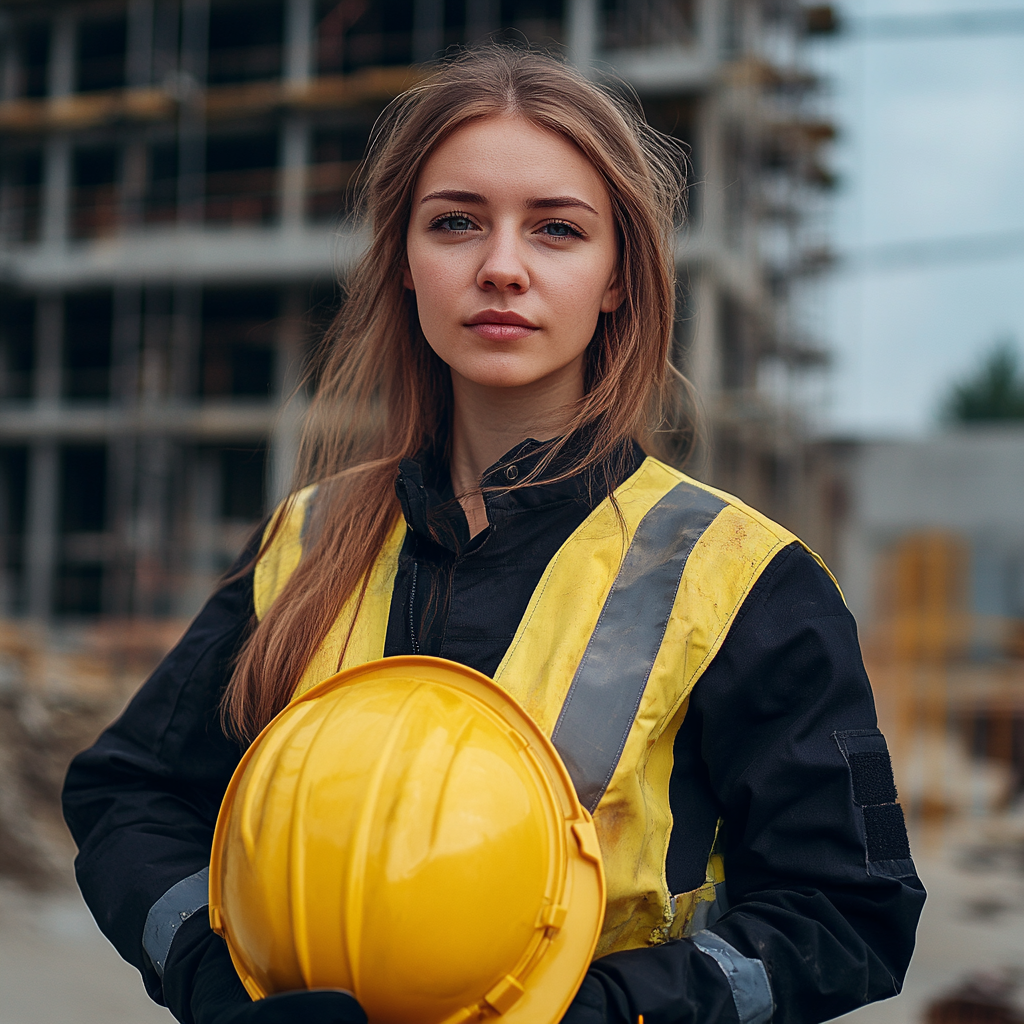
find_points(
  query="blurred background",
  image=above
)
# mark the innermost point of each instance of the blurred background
(174, 200)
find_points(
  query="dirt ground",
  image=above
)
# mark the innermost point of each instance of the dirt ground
(58, 691)
(973, 921)
(56, 967)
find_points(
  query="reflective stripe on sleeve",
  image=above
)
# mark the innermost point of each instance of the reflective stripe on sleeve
(609, 684)
(748, 980)
(167, 915)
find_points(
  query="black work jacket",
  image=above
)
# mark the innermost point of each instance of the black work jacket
(760, 748)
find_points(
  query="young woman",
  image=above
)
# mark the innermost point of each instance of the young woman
(488, 397)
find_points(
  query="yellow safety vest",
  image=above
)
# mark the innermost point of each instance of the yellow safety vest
(619, 628)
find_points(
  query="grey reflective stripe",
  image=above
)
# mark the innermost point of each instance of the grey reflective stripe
(606, 691)
(748, 980)
(169, 912)
(705, 914)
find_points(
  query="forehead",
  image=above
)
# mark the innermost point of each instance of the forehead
(509, 158)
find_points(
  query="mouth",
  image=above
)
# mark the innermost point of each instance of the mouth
(501, 325)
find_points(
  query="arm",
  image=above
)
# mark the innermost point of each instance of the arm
(828, 906)
(142, 802)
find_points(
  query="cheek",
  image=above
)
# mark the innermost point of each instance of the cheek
(581, 294)
(432, 279)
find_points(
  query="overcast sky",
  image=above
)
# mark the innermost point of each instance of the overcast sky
(931, 147)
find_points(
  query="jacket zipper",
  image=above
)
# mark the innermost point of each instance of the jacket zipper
(412, 608)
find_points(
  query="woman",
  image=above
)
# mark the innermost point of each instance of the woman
(488, 395)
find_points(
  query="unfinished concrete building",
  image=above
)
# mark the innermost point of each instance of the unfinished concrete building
(172, 222)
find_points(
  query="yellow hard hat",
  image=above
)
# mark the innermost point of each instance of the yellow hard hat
(405, 831)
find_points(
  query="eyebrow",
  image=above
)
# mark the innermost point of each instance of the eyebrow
(560, 201)
(547, 203)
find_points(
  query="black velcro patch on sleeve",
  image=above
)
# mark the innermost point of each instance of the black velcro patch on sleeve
(872, 777)
(886, 832)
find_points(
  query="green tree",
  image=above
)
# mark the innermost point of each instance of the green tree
(994, 392)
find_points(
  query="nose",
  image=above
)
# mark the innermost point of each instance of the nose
(503, 268)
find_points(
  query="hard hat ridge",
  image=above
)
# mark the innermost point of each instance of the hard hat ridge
(435, 858)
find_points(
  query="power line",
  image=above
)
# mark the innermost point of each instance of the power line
(935, 252)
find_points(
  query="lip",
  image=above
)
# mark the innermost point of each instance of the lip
(501, 325)
(500, 316)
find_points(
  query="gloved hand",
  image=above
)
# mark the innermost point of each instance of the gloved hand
(323, 1006)
(201, 986)
(589, 1005)
(598, 1002)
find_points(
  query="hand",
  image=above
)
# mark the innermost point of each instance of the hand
(201, 987)
(322, 1006)
(589, 1005)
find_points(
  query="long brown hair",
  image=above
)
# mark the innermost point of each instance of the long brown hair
(383, 395)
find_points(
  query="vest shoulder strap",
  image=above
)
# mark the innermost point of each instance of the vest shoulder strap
(644, 592)
(280, 559)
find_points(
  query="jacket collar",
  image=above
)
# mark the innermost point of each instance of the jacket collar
(428, 502)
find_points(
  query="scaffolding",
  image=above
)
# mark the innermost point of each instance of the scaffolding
(173, 204)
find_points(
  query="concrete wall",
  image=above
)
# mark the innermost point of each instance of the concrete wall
(967, 481)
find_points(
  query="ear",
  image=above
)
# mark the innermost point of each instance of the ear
(407, 277)
(613, 295)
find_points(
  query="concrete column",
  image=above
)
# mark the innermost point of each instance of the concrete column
(56, 190)
(121, 451)
(42, 511)
(294, 160)
(185, 340)
(427, 30)
(61, 71)
(133, 184)
(204, 530)
(166, 24)
(11, 65)
(49, 343)
(119, 579)
(127, 333)
(41, 528)
(195, 23)
(298, 54)
(151, 525)
(158, 364)
(704, 360)
(289, 359)
(139, 67)
(582, 28)
(709, 27)
(154, 354)
(710, 206)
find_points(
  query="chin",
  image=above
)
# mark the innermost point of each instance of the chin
(502, 377)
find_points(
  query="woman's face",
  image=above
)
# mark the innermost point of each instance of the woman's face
(512, 255)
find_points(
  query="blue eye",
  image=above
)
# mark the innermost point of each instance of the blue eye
(559, 229)
(455, 222)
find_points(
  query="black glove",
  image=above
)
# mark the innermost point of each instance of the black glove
(323, 1006)
(201, 986)
(596, 1003)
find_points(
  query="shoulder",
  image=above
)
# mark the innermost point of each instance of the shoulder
(726, 533)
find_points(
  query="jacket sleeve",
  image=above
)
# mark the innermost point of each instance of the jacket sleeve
(142, 802)
(780, 742)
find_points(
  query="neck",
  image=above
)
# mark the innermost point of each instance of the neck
(487, 422)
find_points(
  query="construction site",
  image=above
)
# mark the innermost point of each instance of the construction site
(174, 225)
(174, 235)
